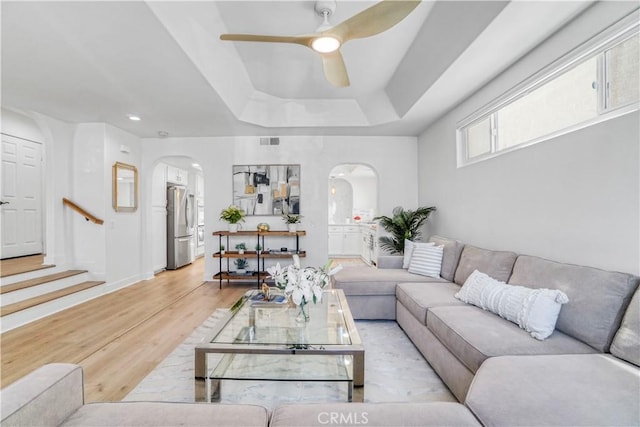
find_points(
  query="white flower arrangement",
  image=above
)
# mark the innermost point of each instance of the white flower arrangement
(302, 285)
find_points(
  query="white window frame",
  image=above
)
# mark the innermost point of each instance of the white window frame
(597, 46)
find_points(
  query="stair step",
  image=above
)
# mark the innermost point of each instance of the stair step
(39, 280)
(28, 275)
(22, 271)
(31, 302)
(21, 265)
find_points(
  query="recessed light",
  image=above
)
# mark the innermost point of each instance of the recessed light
(134, 117)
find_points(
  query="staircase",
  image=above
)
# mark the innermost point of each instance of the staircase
(35, 291)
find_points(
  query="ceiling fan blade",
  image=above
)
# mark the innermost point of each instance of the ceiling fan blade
(302, 40)
(334, 69)
(374, 20)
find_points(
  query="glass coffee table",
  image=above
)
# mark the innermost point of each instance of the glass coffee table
(264, 342)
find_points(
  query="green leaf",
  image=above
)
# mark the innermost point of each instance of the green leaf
(404, 224)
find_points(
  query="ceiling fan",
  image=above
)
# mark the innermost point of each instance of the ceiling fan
(327, 39)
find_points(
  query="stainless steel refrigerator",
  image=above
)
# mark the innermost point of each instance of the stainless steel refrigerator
(180, 226)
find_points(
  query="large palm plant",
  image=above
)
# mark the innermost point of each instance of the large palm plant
(404, 224)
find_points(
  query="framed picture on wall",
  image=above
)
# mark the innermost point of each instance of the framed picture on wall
(267, 189)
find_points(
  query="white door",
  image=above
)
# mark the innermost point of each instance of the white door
(21, 197)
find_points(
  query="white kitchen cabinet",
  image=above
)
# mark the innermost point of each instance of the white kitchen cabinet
(344, 240)
(335, 243)
(352, 242)
(159, 186)
(177, 176)
(199, 187)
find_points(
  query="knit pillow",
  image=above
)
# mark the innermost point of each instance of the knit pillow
(534, 310)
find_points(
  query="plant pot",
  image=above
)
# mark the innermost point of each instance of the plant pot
(222, 252)
(292, 228)
(241, 271)
(233, 228)
(241, 251)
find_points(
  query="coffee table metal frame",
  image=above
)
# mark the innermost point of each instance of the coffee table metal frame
(355, 349)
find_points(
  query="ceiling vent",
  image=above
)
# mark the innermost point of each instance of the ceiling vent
(270, 141)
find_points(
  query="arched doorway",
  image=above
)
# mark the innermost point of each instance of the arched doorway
(22, 195)
(177, 194)
(352, 204)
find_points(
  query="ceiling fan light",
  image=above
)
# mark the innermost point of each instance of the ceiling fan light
(325, 44)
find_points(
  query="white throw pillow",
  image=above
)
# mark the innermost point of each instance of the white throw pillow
(534, 310)
(408, 251)
(426, 260)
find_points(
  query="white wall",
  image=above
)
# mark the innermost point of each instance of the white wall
(365, 196)
(123, 241)
(575, 198)
(57, 150)
(78, 160)
(392, 158)
(340, 204)
(89, 169)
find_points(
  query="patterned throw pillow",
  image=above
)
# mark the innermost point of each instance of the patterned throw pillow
(408, 251)
(426, 260)
(534, 310)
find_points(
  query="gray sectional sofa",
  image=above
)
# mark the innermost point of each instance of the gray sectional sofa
(53, 395)
(587, 373)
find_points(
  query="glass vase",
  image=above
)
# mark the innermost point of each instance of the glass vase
(303, 313)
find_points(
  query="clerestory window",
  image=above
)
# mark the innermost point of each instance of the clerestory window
(598, 81)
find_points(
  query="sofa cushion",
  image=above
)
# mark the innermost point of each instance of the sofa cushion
(473, 335)
(597, 298)
(167, 414)
(419, 297)
(372, 281)
(389, 261)
(373, 414)
(626, 343)
(497, 264)
(46, 396)
(426, 260)
(534, 310)
(450, 255)
(558, 390)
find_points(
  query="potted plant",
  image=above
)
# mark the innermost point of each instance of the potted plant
(241, 265)
(258, 248)
(404, 224)
(241, 247)
(222, 249)
(292, 221)
(233, 215)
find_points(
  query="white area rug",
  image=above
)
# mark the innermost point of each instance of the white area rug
(394, 372)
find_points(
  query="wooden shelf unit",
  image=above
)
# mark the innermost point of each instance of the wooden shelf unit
(260, 275)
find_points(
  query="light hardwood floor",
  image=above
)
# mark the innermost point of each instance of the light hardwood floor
(120, 337)
(21, 264)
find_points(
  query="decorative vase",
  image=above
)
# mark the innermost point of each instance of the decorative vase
(292, 228)
(233, 228)
(303, 313)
